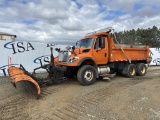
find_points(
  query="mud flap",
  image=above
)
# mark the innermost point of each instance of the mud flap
(17, 75)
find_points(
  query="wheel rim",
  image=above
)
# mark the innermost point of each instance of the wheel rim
(132, 71)
(88, 75)
(143, 69)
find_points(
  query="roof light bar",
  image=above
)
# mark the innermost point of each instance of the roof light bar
(109, 29)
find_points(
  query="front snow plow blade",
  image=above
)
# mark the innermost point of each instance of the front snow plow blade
(17, 74)
(33, 83)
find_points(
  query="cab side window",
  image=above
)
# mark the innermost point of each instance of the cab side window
(96, 46)
(99, 43)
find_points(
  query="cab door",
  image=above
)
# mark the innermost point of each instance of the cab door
(100, 50)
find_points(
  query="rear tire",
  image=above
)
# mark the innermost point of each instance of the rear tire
(141, 69)
(86, 75)
(129, 70)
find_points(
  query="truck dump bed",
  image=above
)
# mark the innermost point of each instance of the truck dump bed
(128, 52)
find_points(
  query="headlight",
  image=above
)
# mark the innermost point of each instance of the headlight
(71, 60)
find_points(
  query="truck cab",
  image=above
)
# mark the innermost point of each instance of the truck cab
(91, 47)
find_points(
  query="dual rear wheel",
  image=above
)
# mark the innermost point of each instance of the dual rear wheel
(131, 70)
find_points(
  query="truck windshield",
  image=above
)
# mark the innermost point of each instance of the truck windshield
(85, 43)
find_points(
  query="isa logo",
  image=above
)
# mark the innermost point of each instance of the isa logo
(5, 67)
(156, 61)
(44, 59)
(19, 47)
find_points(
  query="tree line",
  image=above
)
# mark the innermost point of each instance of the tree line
(150, 36)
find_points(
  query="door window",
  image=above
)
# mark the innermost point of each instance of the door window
(98, 43)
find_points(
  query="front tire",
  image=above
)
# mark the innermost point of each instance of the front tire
(86, 75)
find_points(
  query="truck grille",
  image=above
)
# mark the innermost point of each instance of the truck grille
(63, 56)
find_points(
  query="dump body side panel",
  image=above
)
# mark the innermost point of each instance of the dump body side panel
(131, 53)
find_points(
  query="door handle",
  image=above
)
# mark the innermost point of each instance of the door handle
(105, 54)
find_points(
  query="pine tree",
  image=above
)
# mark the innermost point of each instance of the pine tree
(150, 36)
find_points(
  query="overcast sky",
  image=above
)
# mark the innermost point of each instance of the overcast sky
(67, 21)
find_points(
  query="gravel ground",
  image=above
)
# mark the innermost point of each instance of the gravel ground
(118, 99)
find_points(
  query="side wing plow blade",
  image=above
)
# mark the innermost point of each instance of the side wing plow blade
(17, 75)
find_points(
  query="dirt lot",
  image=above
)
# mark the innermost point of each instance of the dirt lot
(118, 99)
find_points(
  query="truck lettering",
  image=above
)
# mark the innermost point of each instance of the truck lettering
(50, 45)
(4, 68)
(42, 60)
(4, 71)
(19, 47)
(29, 45)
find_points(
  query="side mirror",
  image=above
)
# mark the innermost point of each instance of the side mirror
(73, 48)
(77, 43)
(102, 42)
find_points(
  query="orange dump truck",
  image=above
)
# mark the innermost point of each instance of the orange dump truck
(96, 55)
